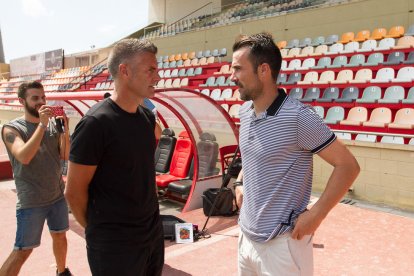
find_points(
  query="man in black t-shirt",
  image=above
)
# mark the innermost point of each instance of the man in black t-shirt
(111, 185)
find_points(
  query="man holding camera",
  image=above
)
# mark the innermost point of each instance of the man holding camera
(35, 148)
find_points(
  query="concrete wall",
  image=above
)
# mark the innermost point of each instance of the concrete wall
(169, 11)
(4, 70)
(387, 173)
(353, 16)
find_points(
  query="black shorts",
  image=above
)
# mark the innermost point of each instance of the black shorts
(133, 261)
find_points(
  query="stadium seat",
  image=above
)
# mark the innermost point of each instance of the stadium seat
(294, 43)
(384, 75)
(410, 31)
(281, 44)
(351, 47)
(339, 61)
(307, 41)
(293, 52)
(184, 56)
(394, 58)
(362, 36)
(205, 91)
(168, 83)
(180, 162)
(281, 78)
(410, 58)
(167, 73)
(164, 150)
(187, 63)
(378, 34)
(334, 115)
(375, 59)
(195, 62)
(225, 107)
(215, 94)
(392, 140)
(356, 116)
(182, 73)
(344, 76)
(234, 110)
(410, 97)
(307, 51)
(296, 93)
(236, 95)
(393, 94)
(202, 61)
(366, 138)
(207, 149)
(320, 50)
(184, 82)
(161, 83)
(396, 31)
(209, 82)
(171, 58)
(220, 81)
(385, 44)
(347, 37)
(192, 55)
(166, 65)
(294, 78)
(326, 77)
(226, 94)
(404, 119)
(405, 42)
(343, 135)
(405, 74)
(362, 76)
(309, 78)
(411, 142)
(329, 95)
(190, 72)
(323, 63)
(371, 94)
(332, 39)
(178, 57)
(356, 60)
(319, 40)
(380, 117)
(320, 111)
(207, 53)
(336, 48)
(199, 54)
(349, 94)
(309, 63)
(173, 64)
(294, 64)
(224, 69)
(211, 60)
(174, 73)
(198, 71)
(312, 93)
(284, 52)
(368, 45)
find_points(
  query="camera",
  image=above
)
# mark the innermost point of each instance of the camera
(57, 111)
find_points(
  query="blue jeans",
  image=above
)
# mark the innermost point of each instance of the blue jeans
(30, 223)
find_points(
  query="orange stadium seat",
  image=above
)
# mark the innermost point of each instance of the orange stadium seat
(396, 31)
(356, 116)
(362, 36)
(281, 44)
(378, 34)
(347, 37)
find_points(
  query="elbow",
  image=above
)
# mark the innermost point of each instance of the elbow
(24, 161)
(354, 167)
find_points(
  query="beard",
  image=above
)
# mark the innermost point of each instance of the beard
(31, 110)
(249, 94)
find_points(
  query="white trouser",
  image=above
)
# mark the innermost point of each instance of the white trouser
(281, 256)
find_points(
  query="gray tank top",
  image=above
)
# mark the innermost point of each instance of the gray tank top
(40, 182)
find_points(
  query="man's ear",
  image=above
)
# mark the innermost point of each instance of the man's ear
(263, 70)
(123, 70)
(21, 101)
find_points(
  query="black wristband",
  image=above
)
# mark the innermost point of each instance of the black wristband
(237, 183)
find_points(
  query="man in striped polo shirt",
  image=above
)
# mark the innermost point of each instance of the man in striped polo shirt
(278, 137)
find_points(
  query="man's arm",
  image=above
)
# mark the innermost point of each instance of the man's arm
(79, 178)
(239, 190)
(157, 130)
(346, 169)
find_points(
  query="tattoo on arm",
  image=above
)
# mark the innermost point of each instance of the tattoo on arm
(10, 137)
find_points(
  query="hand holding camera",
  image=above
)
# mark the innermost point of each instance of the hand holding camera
(59, 115)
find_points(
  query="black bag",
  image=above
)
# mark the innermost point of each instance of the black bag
(168, 225)
(224, 204)
(235, 167)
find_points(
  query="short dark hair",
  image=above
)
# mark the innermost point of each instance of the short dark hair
(262, 50)
(21, 92)
(126, 49)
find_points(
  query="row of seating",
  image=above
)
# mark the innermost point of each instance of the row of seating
(175, 73)
(219, 95)
(351, 47)
(371, 94)
(187, 63)
(380, 117)
(172, 83)
(383, 75)
(219, 81)
(373, 138)
(192, 55)
(358, 60)
(361, 36)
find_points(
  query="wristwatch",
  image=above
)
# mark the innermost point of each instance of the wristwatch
(41, 125)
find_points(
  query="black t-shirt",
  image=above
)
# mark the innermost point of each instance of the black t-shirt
(122, 206)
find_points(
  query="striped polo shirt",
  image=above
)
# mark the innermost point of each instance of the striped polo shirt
(277, 148)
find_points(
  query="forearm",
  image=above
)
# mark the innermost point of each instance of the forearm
(26, 153)
(78, 205)
(64, 146)
(338, 184)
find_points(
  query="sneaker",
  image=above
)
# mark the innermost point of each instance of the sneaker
(64, 273)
